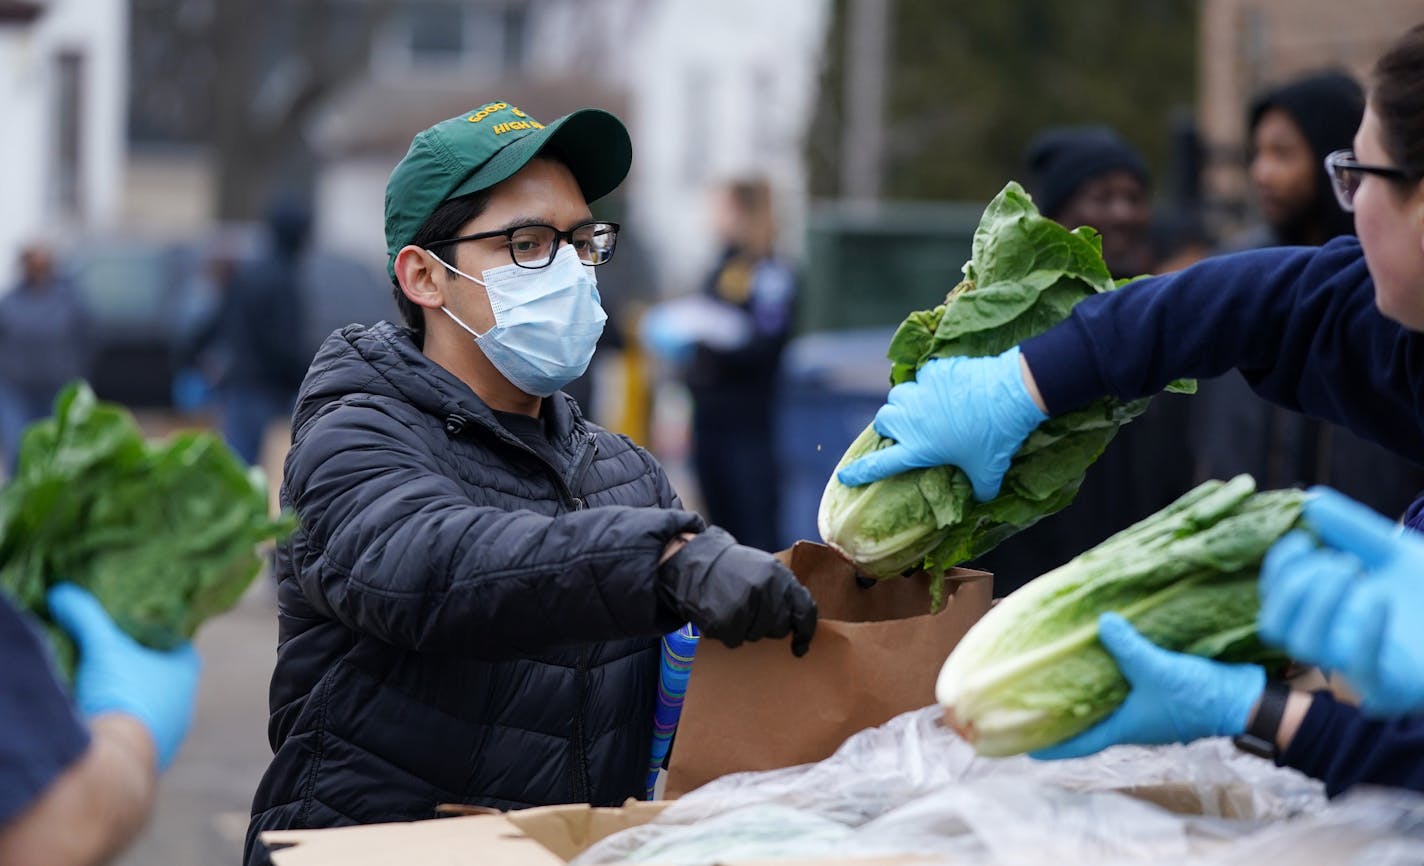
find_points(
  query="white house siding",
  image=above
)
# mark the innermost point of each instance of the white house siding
(30, 167)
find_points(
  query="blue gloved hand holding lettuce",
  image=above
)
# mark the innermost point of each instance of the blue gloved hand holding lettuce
(1176, 600)
(962, 456)
(1174, 697)
(164, 534)
(118, 675)
(993, 414)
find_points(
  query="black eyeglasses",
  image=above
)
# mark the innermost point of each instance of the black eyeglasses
(534, 246)
(1346, 174)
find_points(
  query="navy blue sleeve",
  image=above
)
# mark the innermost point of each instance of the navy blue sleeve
(1300, 323)
(1342, 748)
(42, 735)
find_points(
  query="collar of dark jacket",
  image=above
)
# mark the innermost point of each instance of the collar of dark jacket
(384, 360)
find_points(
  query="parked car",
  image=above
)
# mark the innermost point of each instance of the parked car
(152, 301)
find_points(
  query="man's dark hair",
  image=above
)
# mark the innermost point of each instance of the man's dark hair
(1398, 99)
(444, 224)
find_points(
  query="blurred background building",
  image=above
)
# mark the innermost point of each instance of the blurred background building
(63, 90)
(145, 139)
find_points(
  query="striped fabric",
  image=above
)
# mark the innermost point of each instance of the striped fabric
(678, 650)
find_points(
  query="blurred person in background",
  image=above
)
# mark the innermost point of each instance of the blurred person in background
(471, 609)
(199, 358)
(1293, 128)
(1090, 176)
(259, 332)
(746, 305)
(44, 344)
(78, 776)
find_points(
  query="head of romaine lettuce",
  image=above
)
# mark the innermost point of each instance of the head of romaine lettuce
(1025, 275)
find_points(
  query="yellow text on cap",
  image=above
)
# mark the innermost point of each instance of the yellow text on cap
(511, 126)
(488, 110)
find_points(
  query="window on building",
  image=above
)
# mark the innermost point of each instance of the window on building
(68, 165)
(444, 35)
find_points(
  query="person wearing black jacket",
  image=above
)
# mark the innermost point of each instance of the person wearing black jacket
(1335, 332)
(470, 611)
(266, 357)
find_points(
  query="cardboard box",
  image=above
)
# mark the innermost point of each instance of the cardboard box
(877, 653)
(548, 836)
(552, 835)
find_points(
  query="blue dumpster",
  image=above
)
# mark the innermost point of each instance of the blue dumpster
(830, 386)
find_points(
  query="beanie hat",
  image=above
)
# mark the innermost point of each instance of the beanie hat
(1063, 158)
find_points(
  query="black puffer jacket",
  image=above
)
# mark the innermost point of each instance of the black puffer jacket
(460, 620)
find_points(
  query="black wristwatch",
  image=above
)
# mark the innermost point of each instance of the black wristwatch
(1260, 736)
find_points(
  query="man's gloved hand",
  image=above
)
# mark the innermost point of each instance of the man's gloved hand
(735, 593)
(116, 674)
(1355, 605)
(1175, 697)
(973, 413)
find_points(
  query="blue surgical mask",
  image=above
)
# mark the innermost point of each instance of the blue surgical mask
(546, 321)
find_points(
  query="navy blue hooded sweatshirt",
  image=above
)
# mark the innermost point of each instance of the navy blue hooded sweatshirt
(1301, 325)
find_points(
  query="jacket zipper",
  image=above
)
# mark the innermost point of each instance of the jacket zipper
(579, 774)
(579, 777)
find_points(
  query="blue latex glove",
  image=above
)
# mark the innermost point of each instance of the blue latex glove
(1355, 605)
(1175, 697)
(116, 674)
(973, 413)
(664, 337)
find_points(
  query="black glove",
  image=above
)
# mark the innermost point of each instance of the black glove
(735, 593)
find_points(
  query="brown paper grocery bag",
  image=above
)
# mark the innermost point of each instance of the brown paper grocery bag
(876, 654)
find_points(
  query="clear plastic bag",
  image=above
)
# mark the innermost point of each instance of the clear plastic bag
(912, 786)
(1367, 827)
(761, 831)
(913, 755)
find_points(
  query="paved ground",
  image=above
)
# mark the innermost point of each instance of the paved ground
(204, 798)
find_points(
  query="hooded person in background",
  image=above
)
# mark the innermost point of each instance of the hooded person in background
(1293, 128)
(260, 329)
(1088, 175)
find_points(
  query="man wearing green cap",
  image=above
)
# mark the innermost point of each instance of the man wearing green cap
(470, 610)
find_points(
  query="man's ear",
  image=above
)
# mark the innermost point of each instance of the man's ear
(422, 278)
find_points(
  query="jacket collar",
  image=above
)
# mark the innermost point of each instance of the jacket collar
(383, 360)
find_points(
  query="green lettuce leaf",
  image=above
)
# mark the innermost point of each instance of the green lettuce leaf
(165, 534)
(1025, 275)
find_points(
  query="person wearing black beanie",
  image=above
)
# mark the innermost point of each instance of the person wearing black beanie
(1088, 175)
(1293, 128)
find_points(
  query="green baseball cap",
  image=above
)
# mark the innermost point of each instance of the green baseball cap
(489, 144)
